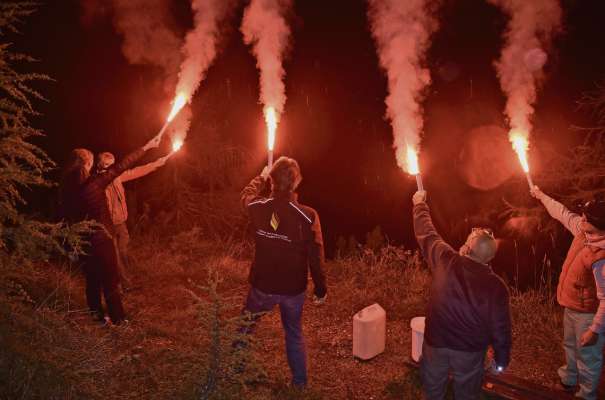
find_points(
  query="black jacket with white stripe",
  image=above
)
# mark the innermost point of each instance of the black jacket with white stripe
(288, 242)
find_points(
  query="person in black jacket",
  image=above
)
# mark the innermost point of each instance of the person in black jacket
(85, 194)
(468, 310)
(289, 244)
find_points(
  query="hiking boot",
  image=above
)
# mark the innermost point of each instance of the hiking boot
(121, 324)
(560, 386)
(97, 316)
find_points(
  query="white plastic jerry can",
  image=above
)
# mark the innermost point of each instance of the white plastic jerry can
(369, 332)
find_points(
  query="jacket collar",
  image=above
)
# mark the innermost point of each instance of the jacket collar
(487, 266)
(291, 196)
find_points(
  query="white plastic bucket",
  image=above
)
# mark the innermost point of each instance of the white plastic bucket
(417, 325)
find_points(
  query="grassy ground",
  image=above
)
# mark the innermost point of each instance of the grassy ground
(51, 349)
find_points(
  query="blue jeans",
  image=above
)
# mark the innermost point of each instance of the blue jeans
(466, 370)
(582, 364)
(290, 308)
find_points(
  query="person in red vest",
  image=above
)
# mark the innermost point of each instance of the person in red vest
(581, 292)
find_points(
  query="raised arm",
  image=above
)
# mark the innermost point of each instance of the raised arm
(500, 327)
(116, 170)
(435, 250)
(253, 191)
(316, 258)
(142, 170)
(127, 162)
(558, 211)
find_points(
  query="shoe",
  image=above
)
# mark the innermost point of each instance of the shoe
(123, 323)
(560, 386)
(97, 316)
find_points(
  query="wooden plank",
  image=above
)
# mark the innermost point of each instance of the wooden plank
(524, 388)
(509, 387)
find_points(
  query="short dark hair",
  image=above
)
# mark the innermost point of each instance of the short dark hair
(285, 175)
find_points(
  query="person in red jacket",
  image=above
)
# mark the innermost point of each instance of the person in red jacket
(468, 310)
(118, 208)
(288, 244)
(581, 291)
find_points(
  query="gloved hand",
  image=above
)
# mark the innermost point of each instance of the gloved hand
(419, 197)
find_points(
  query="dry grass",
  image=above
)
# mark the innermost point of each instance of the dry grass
(52, 349)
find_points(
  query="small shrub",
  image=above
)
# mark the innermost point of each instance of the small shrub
(375, 240)
(231, 363)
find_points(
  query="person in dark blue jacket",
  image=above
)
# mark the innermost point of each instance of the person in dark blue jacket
(468, 310)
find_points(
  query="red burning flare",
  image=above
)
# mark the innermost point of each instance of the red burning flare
(411, 162)
(176, 145)
(271, 121)
(521, 145)
(179, 102)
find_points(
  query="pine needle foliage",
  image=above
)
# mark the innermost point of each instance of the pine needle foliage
(24, 165)
(231, 362)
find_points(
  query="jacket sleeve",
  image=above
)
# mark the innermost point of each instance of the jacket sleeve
(116, 170)
(500, 326)
(559, 212)
(598, 322)
(316, 258)
(142, 170)
(252, 191)
(436, 252)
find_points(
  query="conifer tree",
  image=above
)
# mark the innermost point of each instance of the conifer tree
(23, 165)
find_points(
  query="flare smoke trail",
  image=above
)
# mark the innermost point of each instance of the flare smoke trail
(200, 48)
(402, 31)
(198, 52)
(264, 27)
(148, 39)
(520, 68)
(144, 24)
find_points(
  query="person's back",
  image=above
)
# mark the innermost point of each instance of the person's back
(284, 235)
(468, 310)
(94, 201)
(74, 177)
(117, 209)
(289, 244)
(460, 313)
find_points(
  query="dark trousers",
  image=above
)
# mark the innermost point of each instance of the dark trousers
(290, 308)
(101, 272)
(121, 240)
(466, 369)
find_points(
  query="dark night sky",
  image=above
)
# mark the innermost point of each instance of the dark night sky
(333, 121)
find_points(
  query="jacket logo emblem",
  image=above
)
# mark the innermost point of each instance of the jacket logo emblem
(274, 221)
